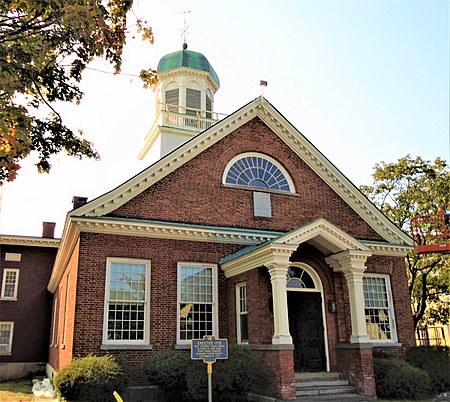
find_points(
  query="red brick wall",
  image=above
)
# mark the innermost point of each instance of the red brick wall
(260, 314)
(193, 193)
(280, 372)
(164, 256)
(60, 353)
(357, 366)
(31, 311)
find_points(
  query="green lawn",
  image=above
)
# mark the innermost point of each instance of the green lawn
(16, 391)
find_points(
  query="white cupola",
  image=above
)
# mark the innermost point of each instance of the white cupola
(184, 101)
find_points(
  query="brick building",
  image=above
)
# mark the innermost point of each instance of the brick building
(242, 230)
(25, 303)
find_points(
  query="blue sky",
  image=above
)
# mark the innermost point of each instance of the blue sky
(364, 81)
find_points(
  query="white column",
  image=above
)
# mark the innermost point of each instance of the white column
(352, 264)
(277, 266)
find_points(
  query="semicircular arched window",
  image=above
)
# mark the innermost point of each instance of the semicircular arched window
(298, 278)
(258, 171)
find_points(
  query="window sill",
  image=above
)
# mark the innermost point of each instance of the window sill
(386, 344)
(8, 298)
(106, 346)
(6, 354)
(260, 189)
(183, 346)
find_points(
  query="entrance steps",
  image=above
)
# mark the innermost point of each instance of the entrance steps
(325, 386)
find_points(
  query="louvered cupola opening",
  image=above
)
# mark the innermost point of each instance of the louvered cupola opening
(185, 101)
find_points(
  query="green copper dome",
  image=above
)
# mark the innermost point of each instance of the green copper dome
(187, 58)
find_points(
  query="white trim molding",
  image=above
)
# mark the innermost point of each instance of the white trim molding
(29, 241)
(261, 108)
(151, 229)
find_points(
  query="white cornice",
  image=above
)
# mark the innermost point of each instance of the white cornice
(331, 175)
(150, 229)
(143, 180)
(386, 249)
(174, 231)
(331, 238)
(29, 241)
(68, 241)
(259, 257)
(182, 71)
(336, 239)
(289, 134)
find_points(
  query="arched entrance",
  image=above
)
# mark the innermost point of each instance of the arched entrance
(306, 318)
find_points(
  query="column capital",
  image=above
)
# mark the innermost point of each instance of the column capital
(349, 261)
(278, 257)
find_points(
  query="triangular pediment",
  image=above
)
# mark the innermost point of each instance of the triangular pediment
(320, 233)
(323, 235)
(262, 109)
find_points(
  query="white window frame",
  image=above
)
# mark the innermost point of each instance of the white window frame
(390, 308)
(215, 324)
(9, 344)
(16, 284)
(240, 313)
(146, 302)
(277, 164)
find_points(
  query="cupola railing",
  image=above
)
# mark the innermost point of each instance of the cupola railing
(187, 118)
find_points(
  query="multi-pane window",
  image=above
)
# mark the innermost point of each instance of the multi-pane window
(242, 313)
(257, 171)
(298, 278)
(197, 301)
(127, 297)
(378, 308)
(6, 337)
(10, 283)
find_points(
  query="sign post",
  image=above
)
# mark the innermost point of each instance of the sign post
(209, 349)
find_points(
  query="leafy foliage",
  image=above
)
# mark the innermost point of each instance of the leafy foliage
(90, 378)
(168, 370)
(398, 379)
(435, 360)
(182, 379)
(403, 190)
(233, 378)
(44, 48)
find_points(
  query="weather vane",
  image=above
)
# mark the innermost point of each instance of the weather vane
(184, 31)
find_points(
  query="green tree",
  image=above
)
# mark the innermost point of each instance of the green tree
(44, 48)
(403, 190)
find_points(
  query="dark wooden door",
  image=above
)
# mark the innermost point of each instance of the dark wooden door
(306, 328)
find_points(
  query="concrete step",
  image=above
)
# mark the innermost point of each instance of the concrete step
(335, 397)
(314, 382)
(319, 374)
(324, 386)
(312, 391)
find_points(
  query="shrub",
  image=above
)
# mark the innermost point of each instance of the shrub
(435, 360)
(90, 378)
(182, 379)
(398, 379)
(232, 379)
(168, 370)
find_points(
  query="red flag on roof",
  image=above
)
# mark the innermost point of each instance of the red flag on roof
(263, 83)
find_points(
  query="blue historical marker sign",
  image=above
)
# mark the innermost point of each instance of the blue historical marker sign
(209, 349)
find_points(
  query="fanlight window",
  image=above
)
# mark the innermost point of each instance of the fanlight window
(298, 278)
(257, 171)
